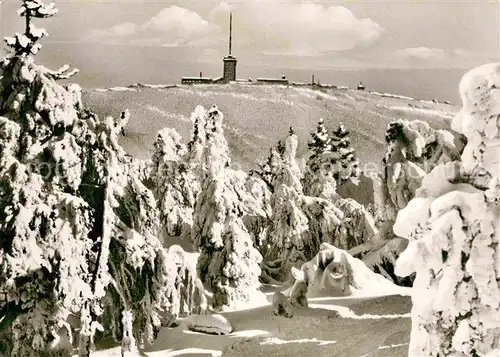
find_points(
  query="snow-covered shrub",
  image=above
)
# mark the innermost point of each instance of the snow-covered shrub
(228, 261)
(357, 226)
(453, 230)
(382, 257)
(190, 289)
(414, 148)
(282, 305)
(327, 274)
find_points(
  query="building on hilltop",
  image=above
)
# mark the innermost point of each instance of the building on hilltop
(281, 81)
(229, 69)
(197, 80)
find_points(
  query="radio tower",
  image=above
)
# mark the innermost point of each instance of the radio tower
(230, 60)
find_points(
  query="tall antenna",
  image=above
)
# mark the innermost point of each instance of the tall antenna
(230, 31)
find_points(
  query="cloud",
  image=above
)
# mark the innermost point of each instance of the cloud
(461, 52)
(171, 27)
(222, 7)
(114, 32)
(288, 28)
(427, 57)
(421, 54)
(299, 28)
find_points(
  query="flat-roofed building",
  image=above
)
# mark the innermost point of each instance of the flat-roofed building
(197, 80)
(282, 81)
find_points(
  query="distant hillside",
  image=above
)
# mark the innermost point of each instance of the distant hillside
(256, 117)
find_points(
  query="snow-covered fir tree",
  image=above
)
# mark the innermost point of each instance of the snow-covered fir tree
(289, 223)
(175, 184)
(454, 232)
(197, 143)
(71, 236)
(267, 170)
(343, 156)
(228, 263)
(358, 226)
(320, 142)
(319, 177)
(299, 223)
(44, 225)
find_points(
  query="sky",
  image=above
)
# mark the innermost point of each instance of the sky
(324, 35)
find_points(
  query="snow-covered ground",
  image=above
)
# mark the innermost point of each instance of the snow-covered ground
(367, 323)
(340, 327)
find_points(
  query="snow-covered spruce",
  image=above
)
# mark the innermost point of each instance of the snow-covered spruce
(176, 185)
(26, 44)
(343, 156)
(320, 142)
(453, 230)
(298, 223)
(228, 263)
(268, 169)
(197, 142)
(68, 205)
(44, 225)
(358, 226)
(319, 176)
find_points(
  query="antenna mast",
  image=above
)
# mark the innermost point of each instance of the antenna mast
(230, 31)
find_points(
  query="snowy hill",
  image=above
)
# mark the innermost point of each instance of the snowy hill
(257, 117)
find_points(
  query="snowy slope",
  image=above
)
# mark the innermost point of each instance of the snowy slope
(257, 116)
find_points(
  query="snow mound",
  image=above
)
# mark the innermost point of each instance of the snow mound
(332, 267)
(426, 111)
(277, 341)
(212, 324)
(368, 283)
(122, 89)
(389, 95)
(185, 352)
